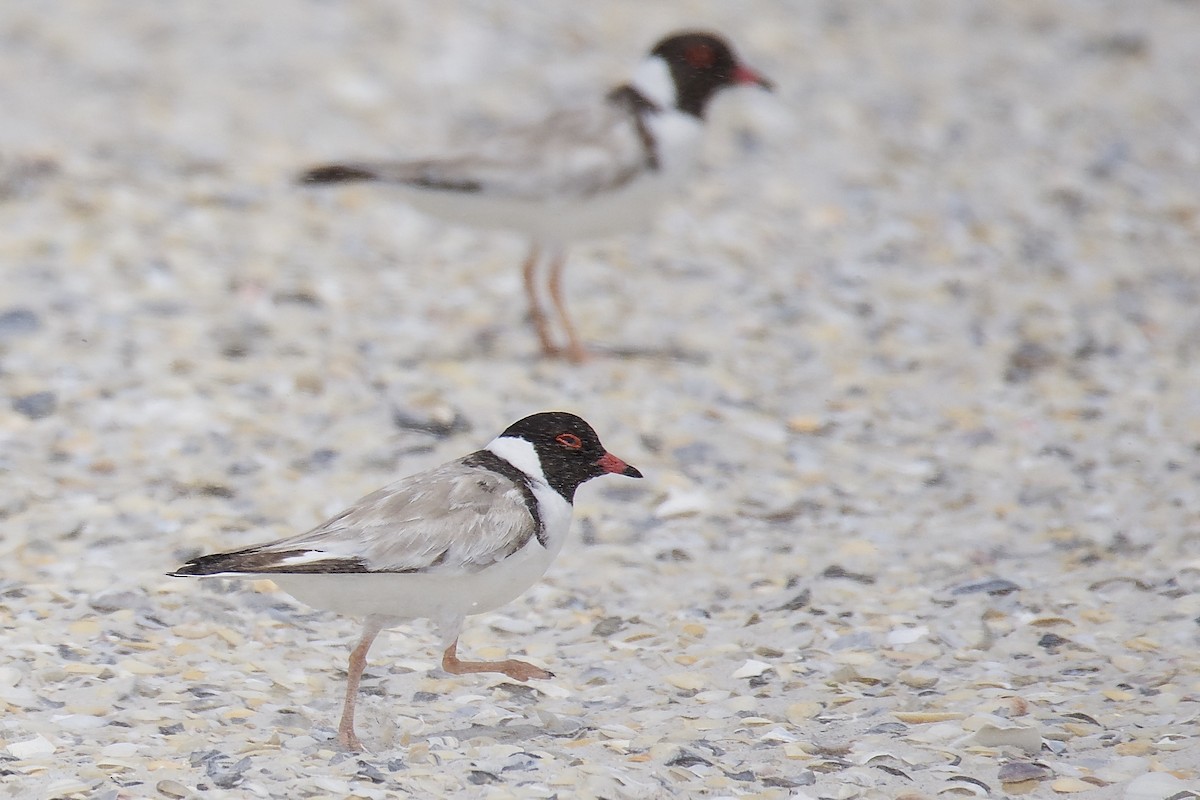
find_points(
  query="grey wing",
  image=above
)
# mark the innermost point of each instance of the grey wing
(452, 519)
(577, 152)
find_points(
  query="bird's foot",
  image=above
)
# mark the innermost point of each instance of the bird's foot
(348, 740)
(574, 353)
(517, 670)
(521, 671)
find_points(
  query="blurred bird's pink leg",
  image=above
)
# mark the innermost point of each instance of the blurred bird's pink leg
(540, 323)
(575, 351)
(347, 739)
(517, 670)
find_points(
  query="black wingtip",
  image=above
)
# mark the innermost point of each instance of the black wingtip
(205, 565)
(336, 173)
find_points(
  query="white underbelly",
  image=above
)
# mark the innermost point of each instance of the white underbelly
(629, 208)
(411, 595)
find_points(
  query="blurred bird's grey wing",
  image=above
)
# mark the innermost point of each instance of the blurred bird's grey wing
(574, 153)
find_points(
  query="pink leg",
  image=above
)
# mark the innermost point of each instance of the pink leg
(540, 323)
(517, 670)
(347, 739)
(575, 351)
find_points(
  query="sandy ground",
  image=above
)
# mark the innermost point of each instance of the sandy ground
(911, 368)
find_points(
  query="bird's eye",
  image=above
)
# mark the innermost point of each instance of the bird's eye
(569, 441)
(699, 56)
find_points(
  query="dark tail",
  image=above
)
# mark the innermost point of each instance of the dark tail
(212, 564)
(337, 173)
(254, 561)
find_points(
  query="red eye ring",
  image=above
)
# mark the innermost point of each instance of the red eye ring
(569, 441)
(699, 56)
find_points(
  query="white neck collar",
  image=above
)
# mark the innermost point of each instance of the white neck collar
(520, 453)
(653, 80)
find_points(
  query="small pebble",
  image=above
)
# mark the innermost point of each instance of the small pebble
(172, 789)
(994, 586)
(16, 322)
(1160, 786)
(1071, 786)
(1016, 771)
(918, 679)
(36, 405)
(31, 748)
(686, 680)
(751, 669)
(1023, 737)
(107, 602)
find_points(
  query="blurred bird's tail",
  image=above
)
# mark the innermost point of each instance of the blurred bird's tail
(338, 173)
